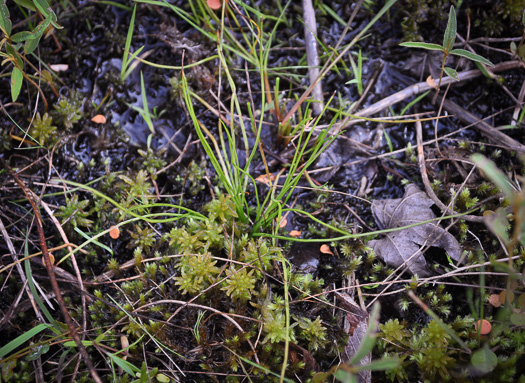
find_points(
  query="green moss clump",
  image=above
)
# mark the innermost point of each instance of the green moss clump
(43, 129)
(74, 212)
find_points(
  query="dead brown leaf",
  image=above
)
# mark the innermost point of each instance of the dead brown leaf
(399, 246)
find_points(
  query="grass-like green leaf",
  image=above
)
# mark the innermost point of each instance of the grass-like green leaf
(471, 56)
(450, 32)
(125, 62)
(451, 72)
(429, 46)
(17, 79)
(22, 339)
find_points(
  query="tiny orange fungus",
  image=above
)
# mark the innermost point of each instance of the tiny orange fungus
(114, 232)
(325, 249)
(484, 325)
(215, 4)
(99, 119)
(295, 233)
(282, 222)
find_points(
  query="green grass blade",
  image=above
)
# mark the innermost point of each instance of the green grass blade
(125, 62)
(20, 340)
(93, 240)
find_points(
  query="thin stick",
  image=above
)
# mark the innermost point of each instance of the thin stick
(310, 39)
(51, 273)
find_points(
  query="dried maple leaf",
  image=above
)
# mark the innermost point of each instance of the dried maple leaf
(399, 246)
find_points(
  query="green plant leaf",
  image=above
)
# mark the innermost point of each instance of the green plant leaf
(22, 339)
(517, 319)
(17, 79)
(26, 4)
(484, 360)
(22, 36)
(471, 56)
(451, 72)
(44, 7)
(450, 32)
(7, 369)
(380, 365)
(429, 46)
(5, 21)
(126, 366)
(345, 376)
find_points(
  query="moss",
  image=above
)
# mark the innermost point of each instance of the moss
(74, 213)
(240, 284)
(68, 111)
(43, 129)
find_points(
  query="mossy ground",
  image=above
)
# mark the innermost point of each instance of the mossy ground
(197, 296)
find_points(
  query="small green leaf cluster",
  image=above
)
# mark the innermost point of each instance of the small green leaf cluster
(447, 48)
(431, 354)
(312, 331)
(142, 238)
(74, 213)
(43, 129)
(152, 161)
(68, 110)
(11, 44)
(240, 284)
(197, 272)
(134, 192)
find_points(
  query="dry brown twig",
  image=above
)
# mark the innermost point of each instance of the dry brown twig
(51, 273)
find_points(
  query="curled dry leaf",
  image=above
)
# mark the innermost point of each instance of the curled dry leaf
(99, 119)
(402, 246)
(325, 249)
(295, 233)
(431, 82)
(114, 232)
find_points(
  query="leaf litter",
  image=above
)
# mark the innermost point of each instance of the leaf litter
(403, 246)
